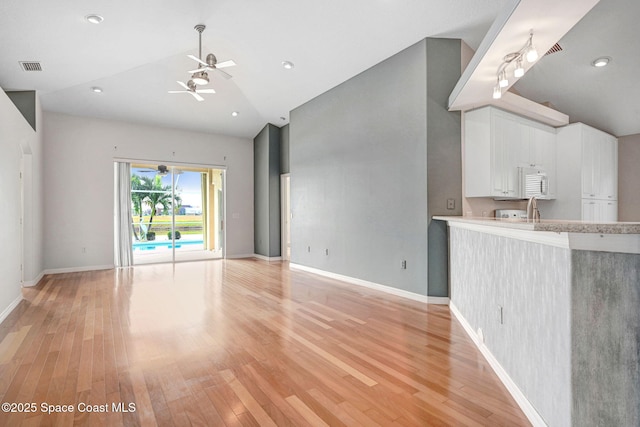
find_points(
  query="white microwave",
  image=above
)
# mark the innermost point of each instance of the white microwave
(534, 182)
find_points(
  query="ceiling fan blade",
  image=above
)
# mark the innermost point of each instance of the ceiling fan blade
(177, 91)
(225, 64)
(224, 74)
(195, 58)
(196, 96)
(182, 84)
(205, 91)
(199, 70)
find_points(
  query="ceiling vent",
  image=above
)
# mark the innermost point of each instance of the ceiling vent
(30, 66)
(555, 48)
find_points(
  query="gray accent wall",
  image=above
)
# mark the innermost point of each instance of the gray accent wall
(444, 168)
(25, 102)
(360, 159)
(266, 163)
(284, 149)
(359, 175)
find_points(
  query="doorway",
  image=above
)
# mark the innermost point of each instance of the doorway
(176, 212)
(285, 222)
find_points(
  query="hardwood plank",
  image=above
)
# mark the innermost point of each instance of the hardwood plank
(247, 399)
(306, 412)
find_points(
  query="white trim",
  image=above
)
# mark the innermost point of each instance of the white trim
(511, 386)
(550, 238)
(624, 243)
(30, 283)
(372, 285)
(169, 163)
(239, 256)
(439, 300)
(7, 311)
(79, 269)
(266, 258)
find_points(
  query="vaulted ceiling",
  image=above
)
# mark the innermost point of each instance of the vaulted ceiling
(140, 50)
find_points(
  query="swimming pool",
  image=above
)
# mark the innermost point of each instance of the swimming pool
(163, 244)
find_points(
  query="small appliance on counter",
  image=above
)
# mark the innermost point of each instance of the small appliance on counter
(511, 214)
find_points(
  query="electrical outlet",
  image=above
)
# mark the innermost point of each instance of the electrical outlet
(451, 204)
(404, 264)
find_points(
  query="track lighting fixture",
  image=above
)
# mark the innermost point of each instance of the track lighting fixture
(528, 53)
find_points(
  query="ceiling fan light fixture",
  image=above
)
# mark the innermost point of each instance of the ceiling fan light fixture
(531, 52)
(601, 62)
(94, 19)
(497, 92)
(503, 81)
(200, 78)
(519, 70)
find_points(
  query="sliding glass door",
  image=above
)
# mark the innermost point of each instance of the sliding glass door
(176, 212)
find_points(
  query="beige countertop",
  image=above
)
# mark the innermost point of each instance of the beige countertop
(551, 225)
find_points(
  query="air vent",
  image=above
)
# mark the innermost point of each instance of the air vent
(30, 66)
(555, 48)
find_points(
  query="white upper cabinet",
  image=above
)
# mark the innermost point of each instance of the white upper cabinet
(588, 179)
(496, 144)
(599, 164)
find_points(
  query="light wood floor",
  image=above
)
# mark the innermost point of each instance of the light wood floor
(240, 343)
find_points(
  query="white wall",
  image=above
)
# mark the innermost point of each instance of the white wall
(79, 153)
(16, 140)
(33, 202)
(628, 178)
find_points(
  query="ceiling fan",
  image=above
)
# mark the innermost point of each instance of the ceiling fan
(190, 87)
(200, 76)
(162, 170)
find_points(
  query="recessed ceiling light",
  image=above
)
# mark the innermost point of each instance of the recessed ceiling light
(96, 89)
(287, 65)
(94, 19)
(235, 114)
(601, 62)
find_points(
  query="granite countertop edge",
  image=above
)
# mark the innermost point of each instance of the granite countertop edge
(556, 226)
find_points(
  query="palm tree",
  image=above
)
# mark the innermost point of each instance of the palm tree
(136, 199)
(150, 191)
(156, 194)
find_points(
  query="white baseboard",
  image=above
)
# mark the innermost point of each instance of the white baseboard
(266, 258)
(30, 283)
(239, 256)
(511, 386)
(372, 285)
(79, 269)
(7, 311)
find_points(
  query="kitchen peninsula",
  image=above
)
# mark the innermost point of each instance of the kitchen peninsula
(555, 307)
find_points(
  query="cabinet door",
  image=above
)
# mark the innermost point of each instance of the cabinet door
(590, 210)
(505, 143)
(590, 163)
(608, 148)
(516, 147)
(609, 211)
